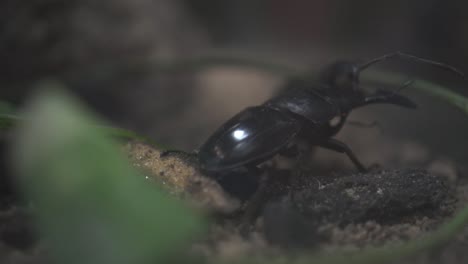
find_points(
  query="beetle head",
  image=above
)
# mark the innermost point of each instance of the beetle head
(341, 75)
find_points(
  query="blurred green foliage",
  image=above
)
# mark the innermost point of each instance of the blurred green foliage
(8, 121)
(5, 107)
(91, 205)
(438, 91)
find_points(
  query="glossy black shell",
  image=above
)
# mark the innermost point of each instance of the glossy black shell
(315, 106)
(250, 137)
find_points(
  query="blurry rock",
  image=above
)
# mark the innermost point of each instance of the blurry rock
(412, 153)
(228, 90)
(444, 167)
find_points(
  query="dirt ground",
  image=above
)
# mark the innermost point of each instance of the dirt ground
(302, 209)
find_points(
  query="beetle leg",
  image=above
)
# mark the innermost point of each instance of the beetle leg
(341, 147)
(256, 202)
(388, 97)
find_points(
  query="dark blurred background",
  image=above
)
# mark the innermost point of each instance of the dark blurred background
(101, 50)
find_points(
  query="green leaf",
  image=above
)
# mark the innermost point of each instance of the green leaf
(8, 121)
(90, 203)
(6, 115)
(5, 108)
(432, 89)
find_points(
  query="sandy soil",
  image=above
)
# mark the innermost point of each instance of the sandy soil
(303, 209)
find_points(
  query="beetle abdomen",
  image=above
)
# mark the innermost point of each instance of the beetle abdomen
(253, 135)
(307, 103)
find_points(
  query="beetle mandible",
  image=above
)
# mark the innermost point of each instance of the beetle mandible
(304, 110)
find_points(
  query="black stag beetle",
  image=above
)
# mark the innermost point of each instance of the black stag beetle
(314, 113)
(311, 112)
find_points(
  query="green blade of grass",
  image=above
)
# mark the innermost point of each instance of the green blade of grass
(8, 121)
(5, 108)
(90, 203)
(438, 91)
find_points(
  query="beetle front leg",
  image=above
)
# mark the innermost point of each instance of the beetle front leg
(255, 204)
(341, 147)
(388, 97)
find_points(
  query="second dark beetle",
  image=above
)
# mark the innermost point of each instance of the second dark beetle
(310, 112)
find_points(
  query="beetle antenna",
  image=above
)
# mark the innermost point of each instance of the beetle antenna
(399, 54)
